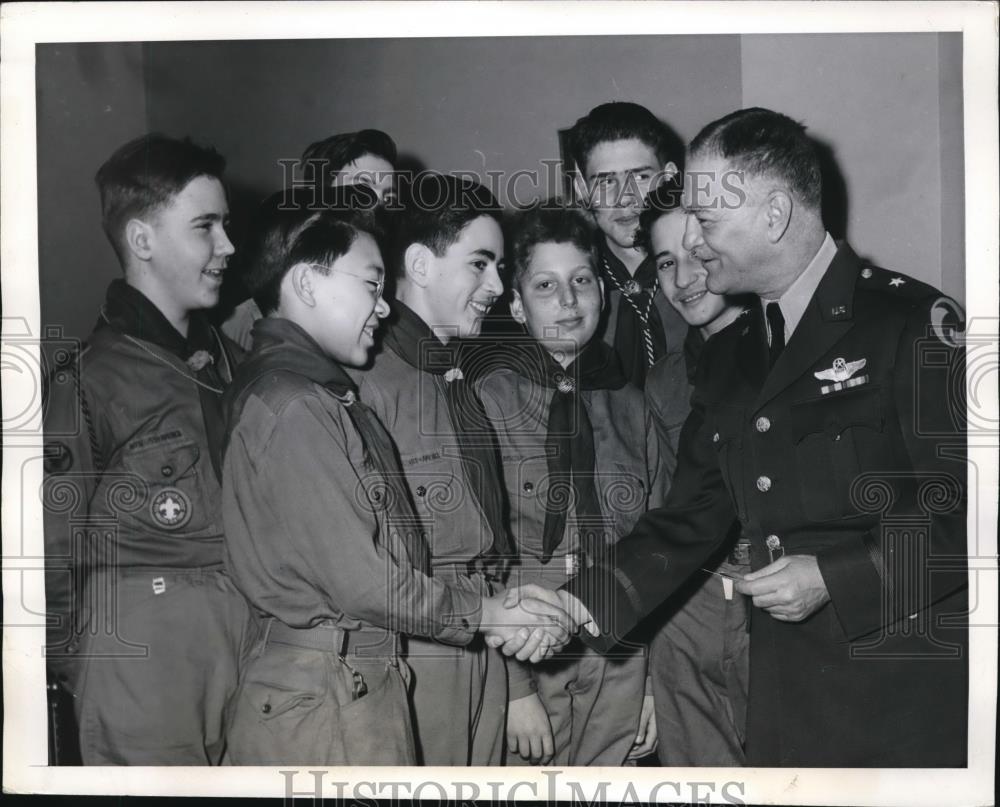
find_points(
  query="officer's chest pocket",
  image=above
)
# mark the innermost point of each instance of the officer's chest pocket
(725, 430)
(826, 433)
(170, 493)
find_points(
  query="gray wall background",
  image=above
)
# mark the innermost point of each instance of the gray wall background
(887, 106)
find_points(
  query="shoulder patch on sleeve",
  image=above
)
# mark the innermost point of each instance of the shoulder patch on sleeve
(947, 319)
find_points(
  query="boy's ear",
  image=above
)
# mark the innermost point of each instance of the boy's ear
(139, 238)
(300, 279)
(416, 264)
(517, 307)
(669, 171)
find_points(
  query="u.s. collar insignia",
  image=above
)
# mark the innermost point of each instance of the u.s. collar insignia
(171, 508)
(842, 374)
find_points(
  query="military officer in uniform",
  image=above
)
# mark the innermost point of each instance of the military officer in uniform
(824, 420)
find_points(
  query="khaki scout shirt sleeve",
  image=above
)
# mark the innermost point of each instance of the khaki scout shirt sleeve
(301, 531)
(867, 586)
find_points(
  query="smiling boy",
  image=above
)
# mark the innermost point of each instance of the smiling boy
(148, 630)
(699, 662)
(447, 256)
(580, 465)
(322, 536)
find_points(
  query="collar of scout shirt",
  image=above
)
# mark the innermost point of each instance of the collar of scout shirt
(795, 300)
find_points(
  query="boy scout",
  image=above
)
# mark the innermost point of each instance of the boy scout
(448, 252)
(824, 422)
(322, 535)
(699, 657)
(364, 158)
(152, 662)
(571, 429)
(621, 152)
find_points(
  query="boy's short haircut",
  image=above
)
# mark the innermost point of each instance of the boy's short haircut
(434, 210)
(337, 152)
(289, 228)
(664, 198)
(544, 224)
(620, 120)
(144, 175)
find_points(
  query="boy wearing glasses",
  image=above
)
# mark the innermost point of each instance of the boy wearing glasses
(322, 536)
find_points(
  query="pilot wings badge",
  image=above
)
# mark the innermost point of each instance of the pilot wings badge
(842, 375)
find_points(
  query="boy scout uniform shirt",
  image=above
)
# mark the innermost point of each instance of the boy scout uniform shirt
(459, 696)
(306, 531)
(621, 325)
(131, 502)
(859, 464)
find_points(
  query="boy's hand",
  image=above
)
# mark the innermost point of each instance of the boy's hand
(529, 628)
(529, 732)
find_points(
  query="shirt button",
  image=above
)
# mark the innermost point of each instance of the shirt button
(528, 487)
(166, 470)
(421, 490)
(715, 437)
(763, 424)
(266, 708)
(763, 483)
(465, 623)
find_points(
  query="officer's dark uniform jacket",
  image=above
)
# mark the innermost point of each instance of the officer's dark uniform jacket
(867, 475)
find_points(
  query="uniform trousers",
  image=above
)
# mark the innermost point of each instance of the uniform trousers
(593, 703)
(700, 671)
(158, 666)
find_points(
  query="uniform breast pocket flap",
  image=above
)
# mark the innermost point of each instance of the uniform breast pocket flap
(832, 415)
(175, 499)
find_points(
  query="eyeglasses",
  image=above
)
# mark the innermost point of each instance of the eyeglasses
(378, 286)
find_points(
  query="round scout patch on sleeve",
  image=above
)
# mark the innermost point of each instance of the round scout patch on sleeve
(171, 508)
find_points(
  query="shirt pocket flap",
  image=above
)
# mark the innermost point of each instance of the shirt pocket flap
(833, 414)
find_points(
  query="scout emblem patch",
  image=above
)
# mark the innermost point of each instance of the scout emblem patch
(171, 508)
(842, 374)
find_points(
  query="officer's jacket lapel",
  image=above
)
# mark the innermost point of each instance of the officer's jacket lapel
(752, 350)
(828, 317)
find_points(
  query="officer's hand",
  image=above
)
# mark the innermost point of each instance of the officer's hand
(529, 732)
(645, 738)
(790, 589)
(529, 628)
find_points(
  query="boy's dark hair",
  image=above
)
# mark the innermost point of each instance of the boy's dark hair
(289, 228)
(338, 151)
(664, 198)
(763, 142)
(548, 223)
(144, 175)
(434, 210)
(619, 120)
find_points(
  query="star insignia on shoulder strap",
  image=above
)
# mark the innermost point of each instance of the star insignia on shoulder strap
(897, 282)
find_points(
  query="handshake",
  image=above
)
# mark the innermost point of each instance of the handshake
(531, 622)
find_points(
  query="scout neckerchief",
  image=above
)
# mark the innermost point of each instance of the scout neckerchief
(129, 312)
(569, 440)
(280, 346)
(414, 342)
(639, 338)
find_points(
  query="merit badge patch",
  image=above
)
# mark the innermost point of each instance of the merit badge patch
(171, 508)
(842, 374)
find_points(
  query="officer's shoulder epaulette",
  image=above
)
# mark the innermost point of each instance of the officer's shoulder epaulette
(875, 278)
